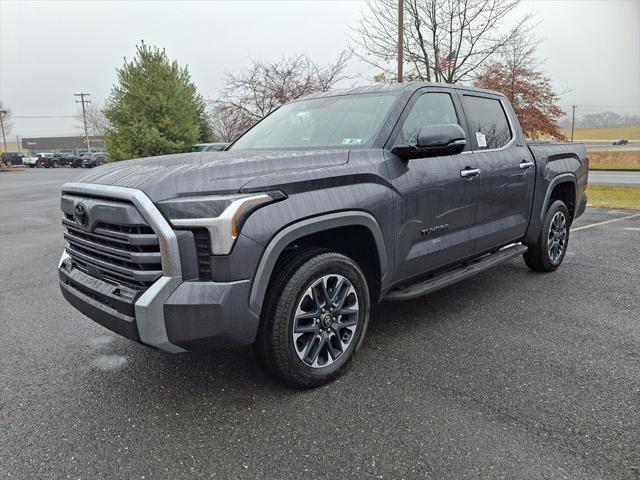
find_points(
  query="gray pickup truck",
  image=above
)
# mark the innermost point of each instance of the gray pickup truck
(332, 203)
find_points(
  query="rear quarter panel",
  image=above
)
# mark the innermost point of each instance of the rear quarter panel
(555, 163)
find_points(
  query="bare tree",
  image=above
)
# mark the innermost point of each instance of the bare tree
(444, 40)
(228, 122)
(97, 122)
(6, 119)
(516, 73)
(264, 86)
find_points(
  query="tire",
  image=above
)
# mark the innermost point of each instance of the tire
(55, 164)
(555, 234)
(335, 337)
(7, 163)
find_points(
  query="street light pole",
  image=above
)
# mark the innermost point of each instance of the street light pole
(573, 120)
(4, 139)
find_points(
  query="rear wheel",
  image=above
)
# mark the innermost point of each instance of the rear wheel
(7, 163)
(55, 164)
(315, 317)
(549, 250)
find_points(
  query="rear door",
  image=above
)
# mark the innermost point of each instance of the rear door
(507, 172)
(436, 206)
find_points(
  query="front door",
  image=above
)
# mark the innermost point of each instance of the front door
(506, 181)
(436, 205)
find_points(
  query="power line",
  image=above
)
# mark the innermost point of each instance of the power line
(44, 116)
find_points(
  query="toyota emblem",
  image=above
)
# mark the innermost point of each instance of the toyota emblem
(82, 217)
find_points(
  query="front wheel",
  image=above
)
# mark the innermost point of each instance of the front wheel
(548, 252)
(315, 317)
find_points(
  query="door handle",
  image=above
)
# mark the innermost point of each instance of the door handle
(526, 164)
(469, 172)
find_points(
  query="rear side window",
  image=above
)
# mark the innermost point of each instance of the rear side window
(430, 109)
(488, 122)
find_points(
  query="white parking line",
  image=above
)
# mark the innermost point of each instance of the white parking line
(605, 222)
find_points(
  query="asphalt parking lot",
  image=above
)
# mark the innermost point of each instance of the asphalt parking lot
(510, 374)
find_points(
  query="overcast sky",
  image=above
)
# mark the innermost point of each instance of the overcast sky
(52, 49)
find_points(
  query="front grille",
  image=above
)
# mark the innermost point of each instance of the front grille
(120, 254)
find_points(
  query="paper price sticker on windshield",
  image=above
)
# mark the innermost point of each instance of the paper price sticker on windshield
(481, 139)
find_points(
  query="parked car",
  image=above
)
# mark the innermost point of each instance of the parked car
(91, 160)
(31, 161)
(12, 158)
(620, 141)
(60, 160)
(331, 203)
(43, 159)
(209, 147)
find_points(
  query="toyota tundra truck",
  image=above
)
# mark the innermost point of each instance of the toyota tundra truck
(329, 205)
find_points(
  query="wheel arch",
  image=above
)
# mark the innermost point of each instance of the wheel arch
(563, 187)
(309, 228)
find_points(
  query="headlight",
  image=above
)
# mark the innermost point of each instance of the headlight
(222, 215)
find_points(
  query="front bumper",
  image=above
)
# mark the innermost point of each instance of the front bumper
(171, 314)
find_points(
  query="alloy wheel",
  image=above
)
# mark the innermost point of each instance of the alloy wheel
(325, 320)
(557, 239)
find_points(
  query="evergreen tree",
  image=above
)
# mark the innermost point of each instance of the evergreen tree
(154, 109)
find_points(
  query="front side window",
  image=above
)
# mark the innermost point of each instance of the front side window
(488, 122)
(342, 121)
(430, 109)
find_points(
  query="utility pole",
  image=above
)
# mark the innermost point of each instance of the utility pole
(4, 139)
(400, 38)
(573, 120)
(84, 115)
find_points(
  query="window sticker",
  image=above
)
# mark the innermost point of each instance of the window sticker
(352, 141)
(481, 139)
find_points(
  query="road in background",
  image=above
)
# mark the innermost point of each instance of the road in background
(606, 146)
(510, 374)
(614, 178)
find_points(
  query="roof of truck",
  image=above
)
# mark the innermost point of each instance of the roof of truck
(394, 87)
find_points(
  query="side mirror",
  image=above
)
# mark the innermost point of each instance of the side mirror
(434, 141)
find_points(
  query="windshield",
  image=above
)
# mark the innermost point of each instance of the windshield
(342, 121)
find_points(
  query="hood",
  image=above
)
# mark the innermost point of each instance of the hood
(208, 172)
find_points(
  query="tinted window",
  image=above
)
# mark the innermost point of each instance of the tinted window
(429, 109)
(341, 121)
(488, 122)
